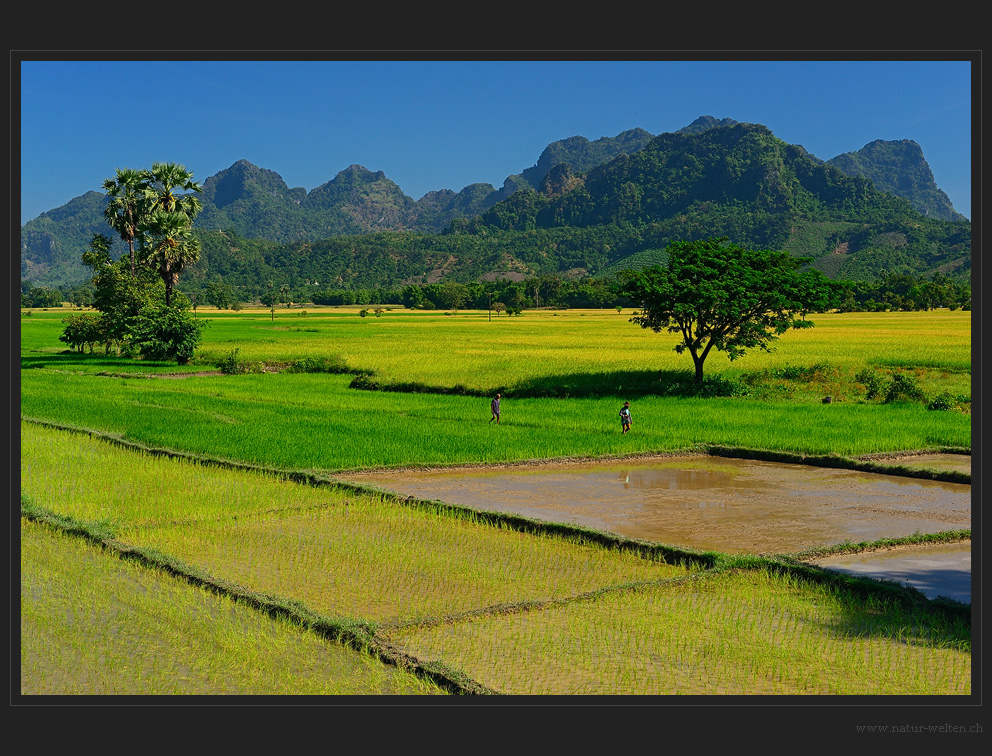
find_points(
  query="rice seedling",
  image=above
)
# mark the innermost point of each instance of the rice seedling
(744, 632)
(313, 420)
(473, 595)
(355, 556)
(93, 624)
(93, 481)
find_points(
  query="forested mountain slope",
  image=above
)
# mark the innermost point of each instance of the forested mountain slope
(582, 209)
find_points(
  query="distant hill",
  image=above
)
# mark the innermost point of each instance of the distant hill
(53, 243)
(713, 176)
(742, 182)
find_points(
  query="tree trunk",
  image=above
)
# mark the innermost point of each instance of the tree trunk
(698, 362)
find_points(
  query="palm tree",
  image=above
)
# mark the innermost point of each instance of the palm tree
(164, 184)
(127, 206)
(171, 248)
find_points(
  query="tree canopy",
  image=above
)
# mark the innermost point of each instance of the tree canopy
(717, 295)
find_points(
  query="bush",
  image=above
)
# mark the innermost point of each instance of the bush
(235, 364)
(903, 388)
(364, 381)
(721, 387)
(943, 401)
(872, 381)
(81, 331)
(333, 364)
(169, 333)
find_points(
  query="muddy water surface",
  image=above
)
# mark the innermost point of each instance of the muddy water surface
(939, 570)
(704, 502)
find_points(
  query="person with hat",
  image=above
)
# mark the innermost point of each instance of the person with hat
(625, 417)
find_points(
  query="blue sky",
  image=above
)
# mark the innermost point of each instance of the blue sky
(448, 123)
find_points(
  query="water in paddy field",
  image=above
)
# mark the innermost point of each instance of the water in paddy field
(704, 502)
(939, 570)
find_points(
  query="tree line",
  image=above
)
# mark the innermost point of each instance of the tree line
(893, 291)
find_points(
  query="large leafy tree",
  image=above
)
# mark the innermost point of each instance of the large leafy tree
(127, 205)
(717, 295)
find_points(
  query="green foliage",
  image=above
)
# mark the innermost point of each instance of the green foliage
(42, 296)
(220, 294)
(152, 210)
(170, 247)
(120, 297)
(717, 295)
(943, 401)
(168, 333)
(904, 291)
(235, 364)
(82, 330)
(903, 388)
(874, 383)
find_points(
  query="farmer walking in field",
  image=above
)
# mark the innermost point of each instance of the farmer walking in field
(625, 417)
(495, 408)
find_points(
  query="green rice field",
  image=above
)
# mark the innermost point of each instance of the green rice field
(195, 513)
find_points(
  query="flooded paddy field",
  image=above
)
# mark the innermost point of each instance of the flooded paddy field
(730, 505)
(724, 504)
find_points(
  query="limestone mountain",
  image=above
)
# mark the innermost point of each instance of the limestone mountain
(742, 182)
(53, 243)
(706, 122)
(900, 168)
(583, 155)
(246, 191)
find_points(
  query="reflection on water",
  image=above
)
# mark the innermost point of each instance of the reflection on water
(674, 478)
